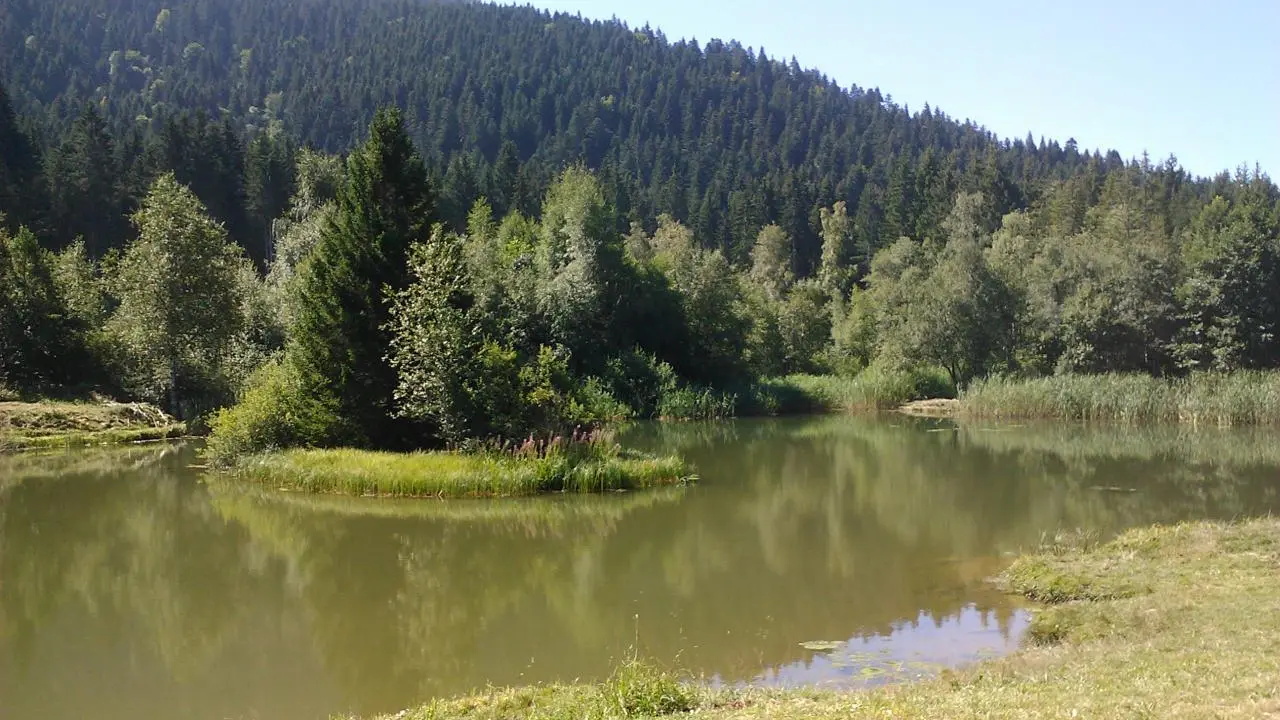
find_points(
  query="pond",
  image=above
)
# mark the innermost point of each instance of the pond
(846, 551)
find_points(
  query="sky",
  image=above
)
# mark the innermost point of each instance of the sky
(1200, 80)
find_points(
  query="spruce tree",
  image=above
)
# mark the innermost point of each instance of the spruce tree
(84, 186)
(339, 340)
(20, 196)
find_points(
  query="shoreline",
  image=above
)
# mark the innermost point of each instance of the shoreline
(1115, 633)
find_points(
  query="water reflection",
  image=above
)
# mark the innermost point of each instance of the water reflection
(131, 586)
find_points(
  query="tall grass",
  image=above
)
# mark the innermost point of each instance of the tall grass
(1221, 399)
(871, 390)
(587, 464)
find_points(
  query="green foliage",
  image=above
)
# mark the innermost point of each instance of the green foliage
(800, 227)
(465, 385)
(87, 200)
(853, 334)
(709, 295)
(946, 307)
(179, 310)
(444, 378)
(772, 265)
(841, 254)
(80, 286)
(1231, 291)
(581, 269)
(804, 323)
(41, 344)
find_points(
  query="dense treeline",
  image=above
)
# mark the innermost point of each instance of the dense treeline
(372, 300)
(499, 100)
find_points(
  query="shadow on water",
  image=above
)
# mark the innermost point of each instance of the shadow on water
(846, 550)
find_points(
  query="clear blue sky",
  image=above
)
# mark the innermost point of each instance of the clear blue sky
(1197, 79)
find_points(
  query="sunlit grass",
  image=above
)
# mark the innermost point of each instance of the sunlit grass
(457, 474)
(1223, 399)
(1162, 622)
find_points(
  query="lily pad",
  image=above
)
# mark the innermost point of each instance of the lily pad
(822, 645)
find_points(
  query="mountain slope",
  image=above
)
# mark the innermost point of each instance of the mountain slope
(721, 137)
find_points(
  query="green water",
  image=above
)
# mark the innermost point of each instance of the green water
(844, 551)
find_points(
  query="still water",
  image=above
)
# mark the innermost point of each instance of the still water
(846, 551)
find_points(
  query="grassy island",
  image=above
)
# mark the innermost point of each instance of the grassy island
(532, 469)
(49, 424)
(1177, 621)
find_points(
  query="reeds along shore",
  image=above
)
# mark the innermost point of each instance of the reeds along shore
(1215, 399)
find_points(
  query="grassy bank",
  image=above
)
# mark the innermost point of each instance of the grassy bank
(1241, 398)
(1120, 636)
(39, 425)
(578, 468)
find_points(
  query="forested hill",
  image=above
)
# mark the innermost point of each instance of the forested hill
(500, 99)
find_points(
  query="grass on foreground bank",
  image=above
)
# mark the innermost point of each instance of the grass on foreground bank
(52, 424)
(1168, 622)
(1223, 399)
(594, 465)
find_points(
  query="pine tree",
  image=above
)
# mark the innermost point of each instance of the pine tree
(340, 338)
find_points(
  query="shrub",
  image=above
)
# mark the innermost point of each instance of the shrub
(274, 411)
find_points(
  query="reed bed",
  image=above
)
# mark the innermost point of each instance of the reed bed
(1213, 399)
(872, 390)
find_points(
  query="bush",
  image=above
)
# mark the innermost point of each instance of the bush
(274, 411)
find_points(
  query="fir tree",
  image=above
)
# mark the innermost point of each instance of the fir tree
(340, 338)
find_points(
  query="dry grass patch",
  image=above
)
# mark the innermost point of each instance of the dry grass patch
(52, 424)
